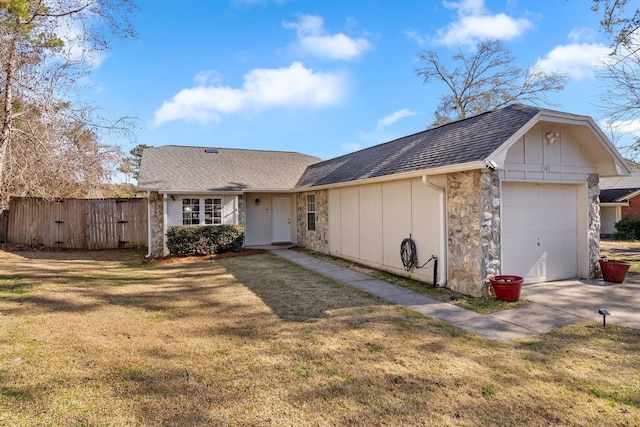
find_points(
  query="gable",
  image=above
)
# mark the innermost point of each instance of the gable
(561, 147)
(549, 152)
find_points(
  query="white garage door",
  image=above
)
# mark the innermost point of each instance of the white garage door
(539, 232)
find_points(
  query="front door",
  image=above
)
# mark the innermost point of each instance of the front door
(281, 217)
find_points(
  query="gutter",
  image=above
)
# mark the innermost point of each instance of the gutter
(443, 229)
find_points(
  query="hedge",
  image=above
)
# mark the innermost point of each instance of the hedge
(628, 229)
(209, 239)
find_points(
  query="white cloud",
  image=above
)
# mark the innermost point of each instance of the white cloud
(76, 47)
(209, 77)
(314, 40)
(475, 24)
(392, 118)
(295, 86)
(623, 127)
(466, 7)
(578, 59)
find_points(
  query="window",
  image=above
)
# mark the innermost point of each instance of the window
(311, 212)
(190, 211)
(213, 211)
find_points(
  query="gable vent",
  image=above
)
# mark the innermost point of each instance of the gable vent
(210, 150)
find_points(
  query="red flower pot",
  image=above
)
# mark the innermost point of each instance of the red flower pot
(507, 288)
(614, 271)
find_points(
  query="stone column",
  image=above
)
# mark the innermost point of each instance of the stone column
(593, 199)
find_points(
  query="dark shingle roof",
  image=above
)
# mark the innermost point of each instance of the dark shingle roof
(201, 169)
(616, 195)
(463, 141)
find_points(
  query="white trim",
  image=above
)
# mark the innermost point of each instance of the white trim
(612, 204)
(499, 155)
(398, 176)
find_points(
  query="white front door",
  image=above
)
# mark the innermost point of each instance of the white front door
(281, 217)
(539, 231)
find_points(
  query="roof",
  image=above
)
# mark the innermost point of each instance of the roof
(618, 195)
(631, 182)
(174, 168)
(463, 141)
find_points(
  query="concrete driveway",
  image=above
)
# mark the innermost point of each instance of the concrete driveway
(583, 299)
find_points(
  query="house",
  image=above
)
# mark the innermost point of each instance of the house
(208, 186)
(618, 200)
(512, 191)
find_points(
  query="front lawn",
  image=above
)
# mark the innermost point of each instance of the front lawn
(479, 305)
(101, 339)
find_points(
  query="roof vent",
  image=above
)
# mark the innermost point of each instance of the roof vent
(211, 150)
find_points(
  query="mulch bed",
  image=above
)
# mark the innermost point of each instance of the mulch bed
(181, 259)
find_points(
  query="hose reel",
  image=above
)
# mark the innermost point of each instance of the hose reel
(409, 257)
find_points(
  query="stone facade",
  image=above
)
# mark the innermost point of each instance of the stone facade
(473, 209)
(593, 199)
(242, 212)
(490, 235)
(157, 219)
(317, 240)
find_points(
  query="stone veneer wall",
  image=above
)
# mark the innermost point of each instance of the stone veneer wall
(317, 240)
(593, 199)
(157, 219)
(473, 206)
(242, 212)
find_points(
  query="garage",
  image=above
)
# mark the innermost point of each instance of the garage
(539, 231)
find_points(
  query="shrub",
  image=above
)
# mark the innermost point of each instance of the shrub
(210, 239)
(628, 229)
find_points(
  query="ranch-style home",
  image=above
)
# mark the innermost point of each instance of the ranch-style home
(512, 191)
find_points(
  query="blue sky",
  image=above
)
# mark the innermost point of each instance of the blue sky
(323, 77)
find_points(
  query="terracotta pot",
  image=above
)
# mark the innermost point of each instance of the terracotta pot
(507, 288)
(614, 271)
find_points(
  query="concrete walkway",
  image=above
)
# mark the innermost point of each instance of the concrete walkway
(556, 304)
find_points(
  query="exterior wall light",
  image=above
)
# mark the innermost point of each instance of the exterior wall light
(552, 137)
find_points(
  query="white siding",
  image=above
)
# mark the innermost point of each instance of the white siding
(367, 224)
(350, 222)
(533, 158)
(371, 219)
(609, 216)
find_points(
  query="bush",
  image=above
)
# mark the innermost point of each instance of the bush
(210, 239)
(628, 229)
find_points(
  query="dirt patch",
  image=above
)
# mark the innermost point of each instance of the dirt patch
(178, 259)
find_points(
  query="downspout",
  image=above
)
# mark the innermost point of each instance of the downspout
(443, 230)
(149, 228)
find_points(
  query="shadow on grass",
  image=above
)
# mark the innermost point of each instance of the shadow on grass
(292, 292)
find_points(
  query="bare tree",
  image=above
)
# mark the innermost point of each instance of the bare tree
(623, 29)
(485, 80)
(45, 46)
(65, 160)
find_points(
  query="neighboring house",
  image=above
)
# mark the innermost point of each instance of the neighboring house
(618, 200)
(513, 191)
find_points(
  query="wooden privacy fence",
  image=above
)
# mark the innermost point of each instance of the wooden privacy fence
(78, 223)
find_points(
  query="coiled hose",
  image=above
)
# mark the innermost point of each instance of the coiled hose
(408, 254)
